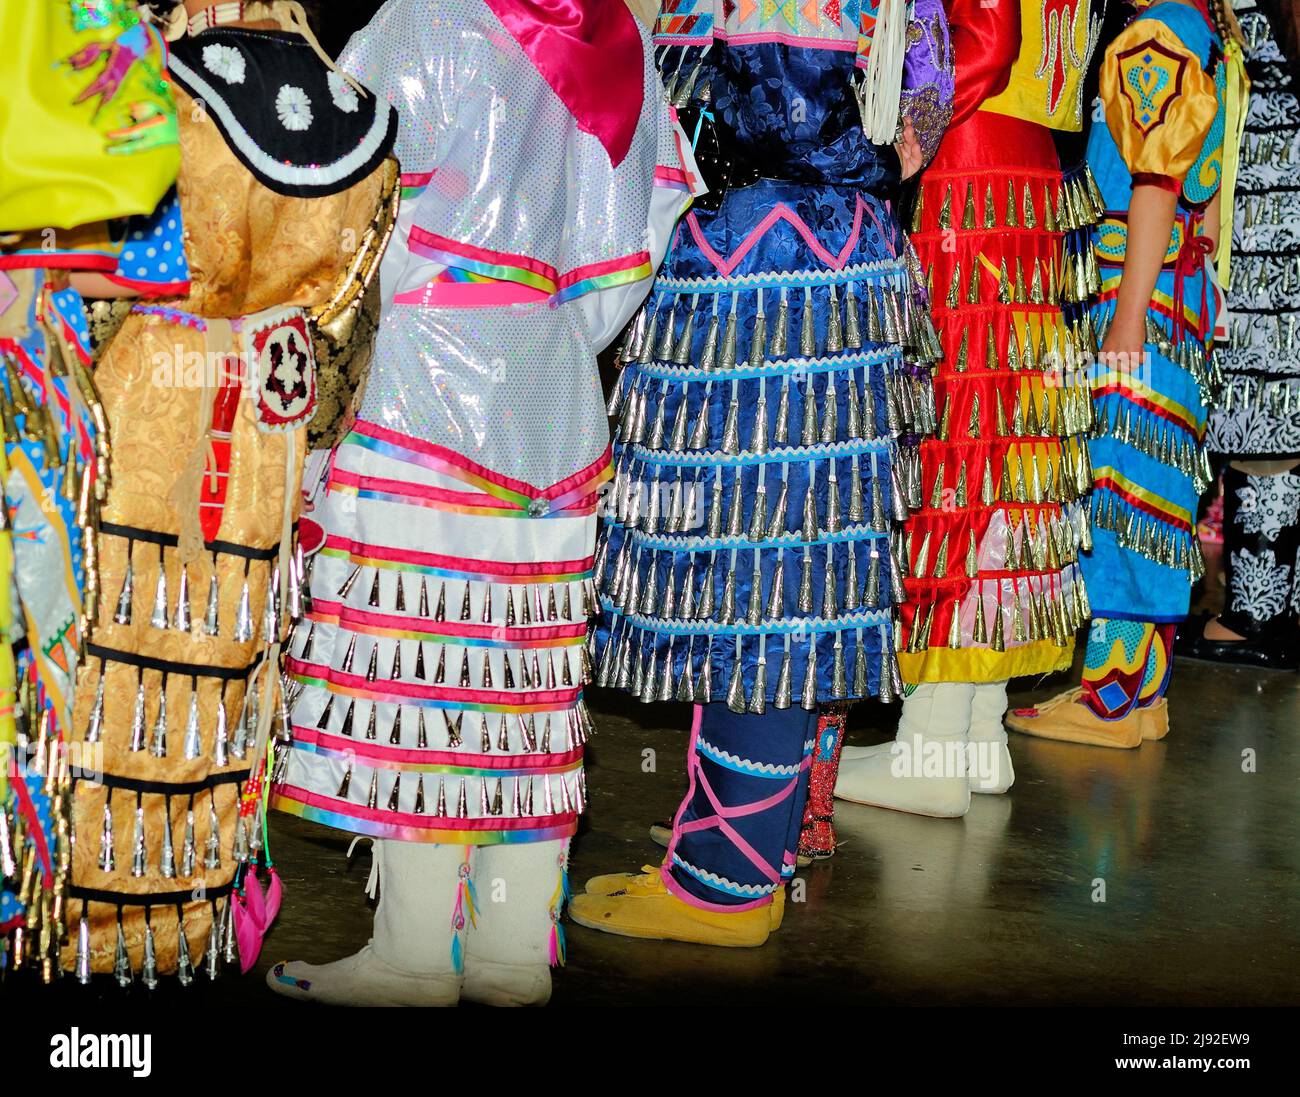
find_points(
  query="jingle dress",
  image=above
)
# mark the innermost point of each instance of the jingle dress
(1163, 86)
(770, 402)
(89, 131)
(993, 584)
(196, 562)
(441, 665)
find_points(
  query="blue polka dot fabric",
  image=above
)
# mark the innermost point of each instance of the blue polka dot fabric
(153, 252)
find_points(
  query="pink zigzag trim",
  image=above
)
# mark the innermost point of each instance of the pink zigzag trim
(780, 212)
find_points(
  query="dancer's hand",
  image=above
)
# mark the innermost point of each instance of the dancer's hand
(1125, 343)
(910, 153)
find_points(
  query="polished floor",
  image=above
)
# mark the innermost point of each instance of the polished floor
(1195, 842)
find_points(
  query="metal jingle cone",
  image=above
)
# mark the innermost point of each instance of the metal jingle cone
(121, 958)
(244, 616)
(730, 337)
(808, 435)
(667, 336)
(167, 862)
(839, 676)
(736, 683)
(158, 739)
(685, 683)
(754, 611)
(871, 590)
(158, 618)
(834, 330)
(830, 599)
(230, 940)
(776, 522)
(183, 619)
(704, 604)
(709, 352)
(107, 859)
(193, 743)
(807, 327)
(758, 513)
(731, 427)
(758, 341)
(95, 728)
(138, 719)
(188, 845)
(783, 696)
(897, 496)
(149, 969)
(804, 599)
(781, 335)
(776, 594)
(122, 616)
(682, 353)
(83, 949)
(646, 356)
(852, 322)
(860, 675)
(808, 698)
(184, 965)
(727, 612)
(998, 637)
(781, 427)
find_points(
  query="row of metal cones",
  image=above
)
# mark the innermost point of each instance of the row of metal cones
(637, 590)
(182, 619)
(1074, 203)
(1277, 396)
(493, 800)
(520, 605)
(631, 662)
(567, 734)
(642, 405)
(1158, 438)
(1072, 346)
(222, 948)
(1039, 543)
(871, 314)
(246, 843)
(1147, 536)
(1053, 614)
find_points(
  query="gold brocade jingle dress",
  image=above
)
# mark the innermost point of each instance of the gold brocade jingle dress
(287, 193)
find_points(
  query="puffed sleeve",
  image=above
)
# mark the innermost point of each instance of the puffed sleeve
(928, 75)
(985, 45)
(1160, 104)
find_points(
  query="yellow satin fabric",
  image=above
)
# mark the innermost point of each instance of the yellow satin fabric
(1161, 135)
(1046, 85)
(249, 249)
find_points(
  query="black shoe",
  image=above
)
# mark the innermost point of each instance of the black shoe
(1256, 651)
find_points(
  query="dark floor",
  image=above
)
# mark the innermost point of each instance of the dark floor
(1198, 858)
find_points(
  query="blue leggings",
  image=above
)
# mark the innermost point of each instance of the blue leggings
(736, 833)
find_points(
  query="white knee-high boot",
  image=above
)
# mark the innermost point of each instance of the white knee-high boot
(990, 768)
(924, 770)
(508, 953)
(409, 960)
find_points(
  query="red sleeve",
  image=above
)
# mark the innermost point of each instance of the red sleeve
(985, 44)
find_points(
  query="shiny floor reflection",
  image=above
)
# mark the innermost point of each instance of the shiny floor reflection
(1166, 874)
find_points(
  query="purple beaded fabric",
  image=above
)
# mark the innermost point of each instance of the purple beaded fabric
(928, 75)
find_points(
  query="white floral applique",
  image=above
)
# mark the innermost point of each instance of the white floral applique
(225, 62)
(1260, 585)
(294, 108)
(345, 96)
(1269, 503)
